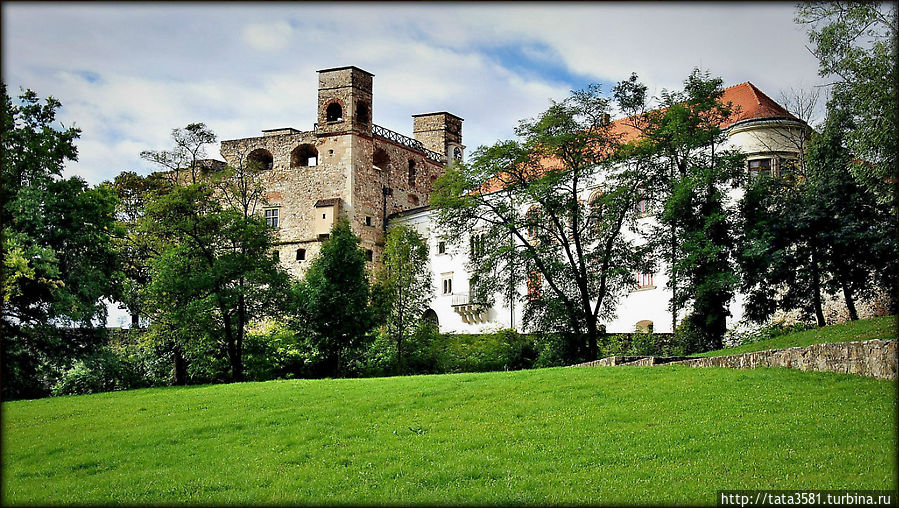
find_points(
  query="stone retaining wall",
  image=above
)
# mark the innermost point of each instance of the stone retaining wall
(656, 360)
(872, 358)
(610, 361)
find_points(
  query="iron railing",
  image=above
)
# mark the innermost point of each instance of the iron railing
(406, 141)
(467, 298)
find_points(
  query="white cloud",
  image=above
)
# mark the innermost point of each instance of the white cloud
(267, 36)
(129, 74)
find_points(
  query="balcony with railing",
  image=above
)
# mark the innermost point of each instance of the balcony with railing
(470, 307)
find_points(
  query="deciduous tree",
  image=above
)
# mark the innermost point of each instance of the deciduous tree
(58, 256)
(332, 302)
(855, 43)
(403, 287)
(555, 210)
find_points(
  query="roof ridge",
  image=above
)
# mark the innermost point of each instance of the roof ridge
(738, 84)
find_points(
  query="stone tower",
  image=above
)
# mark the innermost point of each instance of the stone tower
(344, 101)
(346, 166)
(440, 132)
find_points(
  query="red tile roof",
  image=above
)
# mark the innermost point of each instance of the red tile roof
(749, 103)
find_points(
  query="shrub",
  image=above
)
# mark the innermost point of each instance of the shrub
(501, 350)
(103, 371)
(771, 331)
(640, 344)
(273, 351)
(551, 350)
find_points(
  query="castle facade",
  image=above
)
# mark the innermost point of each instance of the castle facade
(348, 166)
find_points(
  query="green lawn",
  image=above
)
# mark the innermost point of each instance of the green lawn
(866, 329)
(665, 434)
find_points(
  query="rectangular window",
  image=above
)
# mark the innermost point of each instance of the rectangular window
(276, 256)
(301, 254)
(644, 280)
(369, 255)
(642, 206)
(367, 220)
(535, 284)
(759, 168)
(271, 217)
(476, 245)
(441, 248)
(448, 285)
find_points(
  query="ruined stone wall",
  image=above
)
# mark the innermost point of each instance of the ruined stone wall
(344, 170)
(369, 180)
(295, 189)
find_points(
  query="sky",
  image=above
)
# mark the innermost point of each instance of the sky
(129, 73)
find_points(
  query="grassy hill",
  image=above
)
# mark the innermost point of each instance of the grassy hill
(567, 435)
(866, 329)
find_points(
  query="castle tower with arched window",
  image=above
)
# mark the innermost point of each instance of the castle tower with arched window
(345, 166)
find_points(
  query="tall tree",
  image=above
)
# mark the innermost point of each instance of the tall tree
(552, 209)
(58, 256)
(190, 148)
(403, 286)
(819, 234)
(134, 248)
(212, 261)
(332, 303)
(692, 170)
(855, 43)
(214, 270)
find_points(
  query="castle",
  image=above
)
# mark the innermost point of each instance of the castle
(345, 166)
(348, 166)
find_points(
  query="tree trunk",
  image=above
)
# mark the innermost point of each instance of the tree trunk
(135, 321)
(180, 377)
(592, 339)
(241, 331)
(233, 360)
(816, 289)
(850, 301)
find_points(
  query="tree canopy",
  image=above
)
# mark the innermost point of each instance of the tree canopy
(553, 210)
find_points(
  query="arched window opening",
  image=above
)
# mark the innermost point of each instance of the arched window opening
(362, 112)
(430, 316)
(644, 326)
(380, 159)
(334, 113)
(262, 158)
(411, 173)
(304, 155)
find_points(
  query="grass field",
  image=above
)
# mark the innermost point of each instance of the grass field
(664, 434)
(866, 329)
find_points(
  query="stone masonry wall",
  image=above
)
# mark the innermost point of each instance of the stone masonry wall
(872, 358)
(294, 190)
